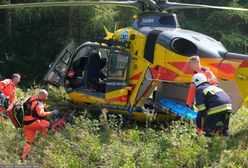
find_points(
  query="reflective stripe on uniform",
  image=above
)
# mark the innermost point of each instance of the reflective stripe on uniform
(201, 107)
(212, 89)
(220, 108)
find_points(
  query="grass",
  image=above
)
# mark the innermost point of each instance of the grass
(98, 143)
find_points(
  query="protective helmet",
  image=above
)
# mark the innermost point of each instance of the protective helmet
(199, 78)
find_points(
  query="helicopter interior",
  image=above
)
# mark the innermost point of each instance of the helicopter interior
(97, 69)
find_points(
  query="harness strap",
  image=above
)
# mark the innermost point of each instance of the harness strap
(29, 112)
(29, 122)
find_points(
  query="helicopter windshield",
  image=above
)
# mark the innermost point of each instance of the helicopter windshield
(151, 20)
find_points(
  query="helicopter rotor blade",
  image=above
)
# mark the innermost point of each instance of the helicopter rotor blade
(151, 5)
(128, 4)
(174, 5)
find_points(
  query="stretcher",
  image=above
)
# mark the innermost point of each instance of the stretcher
(178, 108)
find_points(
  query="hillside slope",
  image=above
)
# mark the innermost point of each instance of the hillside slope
(100, 143)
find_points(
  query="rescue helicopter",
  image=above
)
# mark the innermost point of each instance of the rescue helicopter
(121, 71)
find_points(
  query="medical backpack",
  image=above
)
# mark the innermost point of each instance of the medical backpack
(4, 102)
(16, 114)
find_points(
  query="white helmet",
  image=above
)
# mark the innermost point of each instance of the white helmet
(199, 78)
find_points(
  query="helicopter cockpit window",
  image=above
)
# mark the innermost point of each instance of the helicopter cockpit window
(156, 21)
(62, 65)
(60, 69)
(167, 20)
(54, 77)
(66, 58)
(117, 68)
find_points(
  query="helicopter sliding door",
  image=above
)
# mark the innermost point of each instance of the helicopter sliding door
(58, 69)
(117, 77)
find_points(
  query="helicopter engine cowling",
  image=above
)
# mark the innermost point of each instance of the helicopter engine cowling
(183, 47)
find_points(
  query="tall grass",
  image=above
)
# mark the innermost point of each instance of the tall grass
(98, 143)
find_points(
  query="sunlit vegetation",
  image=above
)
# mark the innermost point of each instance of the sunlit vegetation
(88, 142)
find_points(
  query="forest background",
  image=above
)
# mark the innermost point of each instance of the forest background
(32, 38)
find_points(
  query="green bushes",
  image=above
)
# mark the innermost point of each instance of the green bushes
(98, 143)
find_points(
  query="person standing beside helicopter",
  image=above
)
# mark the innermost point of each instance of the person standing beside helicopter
(7, 90)
(195, 64)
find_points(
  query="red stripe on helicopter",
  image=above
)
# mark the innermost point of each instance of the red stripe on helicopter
(163, 73)
(133, 86)
(136, 77)
(118, 99)
(183, 66)
(244, 64)
(226, 68)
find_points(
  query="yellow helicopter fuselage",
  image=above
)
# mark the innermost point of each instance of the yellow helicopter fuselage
(158, 52)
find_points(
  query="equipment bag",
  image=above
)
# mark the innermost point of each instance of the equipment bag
(16, 114)
(4, 102)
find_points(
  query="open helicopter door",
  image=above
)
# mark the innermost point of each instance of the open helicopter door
(58, 69)
(117, 77)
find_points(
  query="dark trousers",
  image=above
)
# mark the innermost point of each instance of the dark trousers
(218, 122)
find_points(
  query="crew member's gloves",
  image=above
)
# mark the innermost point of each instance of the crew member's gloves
(55, 112)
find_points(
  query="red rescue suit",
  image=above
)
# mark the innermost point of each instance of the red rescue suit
(192, 89)
(8, 89)
(33, 122)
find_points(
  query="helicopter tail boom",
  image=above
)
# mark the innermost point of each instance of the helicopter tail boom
(230, 56)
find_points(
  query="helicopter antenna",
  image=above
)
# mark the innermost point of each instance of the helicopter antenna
(115, 26)
(246, 46)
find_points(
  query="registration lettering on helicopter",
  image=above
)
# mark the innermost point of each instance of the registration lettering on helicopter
(116, 83)
(118, 107)
(147, 20)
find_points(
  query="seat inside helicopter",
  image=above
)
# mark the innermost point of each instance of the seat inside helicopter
(98, 69)
(88, 69)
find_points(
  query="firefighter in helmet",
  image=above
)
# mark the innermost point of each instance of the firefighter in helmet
(214, 107)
